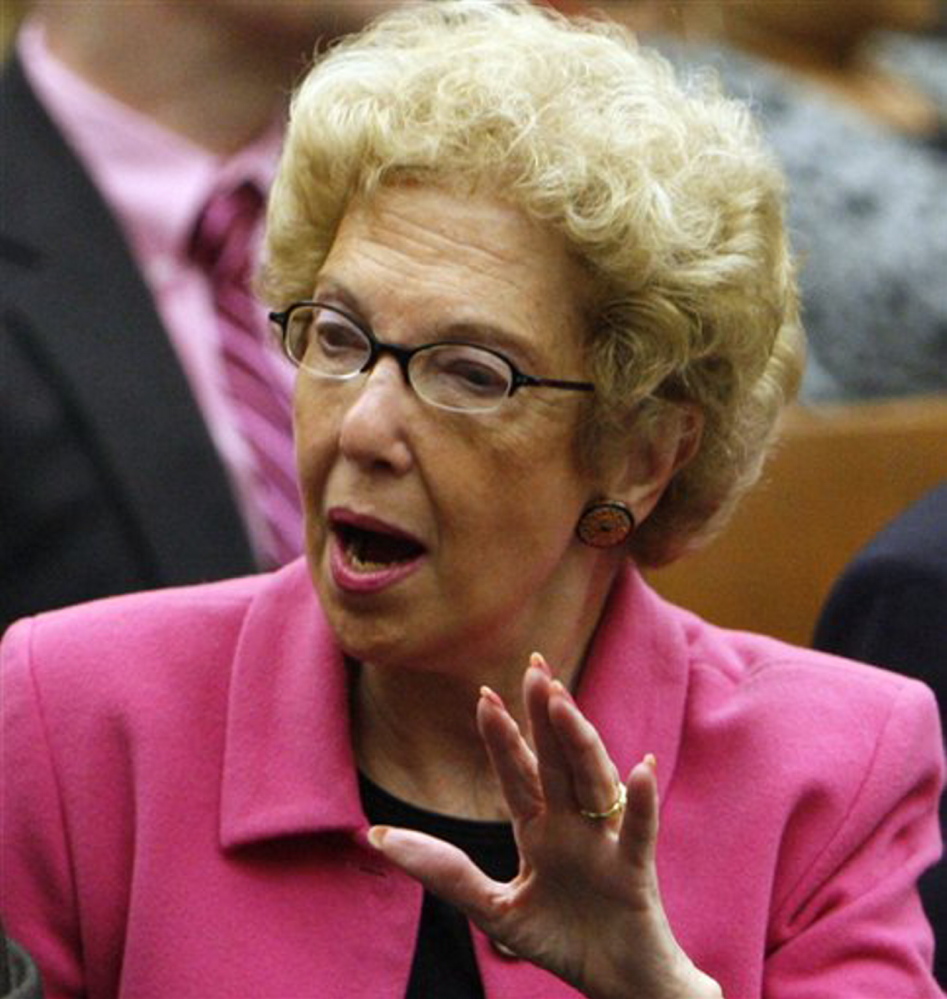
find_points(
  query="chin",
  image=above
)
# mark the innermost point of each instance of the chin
(386, 640)
(363, 634)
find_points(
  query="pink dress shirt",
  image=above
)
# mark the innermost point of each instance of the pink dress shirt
(181, 813)
(156, 183)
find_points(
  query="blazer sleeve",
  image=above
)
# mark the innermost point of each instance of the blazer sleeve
(851, 926)
(36, 878)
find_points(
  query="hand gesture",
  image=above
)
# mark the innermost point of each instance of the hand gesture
(585, 904)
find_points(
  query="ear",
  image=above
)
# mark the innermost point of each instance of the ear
(657, 457)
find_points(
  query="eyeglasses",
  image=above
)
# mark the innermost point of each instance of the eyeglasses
(326, 342)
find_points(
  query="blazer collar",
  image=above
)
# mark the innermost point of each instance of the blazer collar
(289, 766)
(634, 685)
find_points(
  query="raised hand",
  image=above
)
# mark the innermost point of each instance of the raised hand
(585, 904)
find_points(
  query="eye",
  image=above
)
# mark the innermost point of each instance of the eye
(334, 343)
(334, 333)
(468, 372)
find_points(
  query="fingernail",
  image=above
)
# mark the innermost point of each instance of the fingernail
(376, 836)
(489, 694)
(536, 659)
(651, 761)
(558, 687)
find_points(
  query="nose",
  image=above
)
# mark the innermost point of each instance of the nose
(374, 428)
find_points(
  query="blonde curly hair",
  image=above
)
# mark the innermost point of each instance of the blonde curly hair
(661, 187)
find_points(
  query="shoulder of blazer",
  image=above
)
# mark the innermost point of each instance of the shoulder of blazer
(72, 298)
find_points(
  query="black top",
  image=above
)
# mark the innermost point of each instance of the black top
(19, 978)
(444, 966)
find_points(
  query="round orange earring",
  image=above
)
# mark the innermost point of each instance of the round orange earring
(605, 525)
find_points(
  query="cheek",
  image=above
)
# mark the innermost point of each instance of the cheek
(315, 426)
(522, 490)
(529, 432)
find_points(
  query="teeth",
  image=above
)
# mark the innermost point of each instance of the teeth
(362, 565)
(358, 546)
(353, 552)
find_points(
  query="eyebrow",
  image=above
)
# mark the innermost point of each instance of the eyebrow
(331, 291)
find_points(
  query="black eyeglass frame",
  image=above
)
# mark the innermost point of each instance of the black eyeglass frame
(403, 355)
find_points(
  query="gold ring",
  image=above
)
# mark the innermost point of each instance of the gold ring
(616, 808)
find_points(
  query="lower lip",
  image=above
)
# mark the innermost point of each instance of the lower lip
(351, 580)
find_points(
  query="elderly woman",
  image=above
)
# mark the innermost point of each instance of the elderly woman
(545, 319)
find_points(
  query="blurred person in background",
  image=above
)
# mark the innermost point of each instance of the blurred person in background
(144, 413)
(11, 13)
(887, 607)
(835, 46)
(862, 145)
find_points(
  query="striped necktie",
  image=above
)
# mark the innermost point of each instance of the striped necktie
(222, 244)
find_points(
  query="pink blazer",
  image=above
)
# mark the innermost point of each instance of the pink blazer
(181, 814)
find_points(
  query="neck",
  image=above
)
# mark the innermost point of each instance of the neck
(416, 736)
(415, 728)
(177, 65)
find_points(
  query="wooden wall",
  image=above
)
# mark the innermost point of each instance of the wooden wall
(839, 475)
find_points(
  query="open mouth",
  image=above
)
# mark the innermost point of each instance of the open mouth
(368, 550)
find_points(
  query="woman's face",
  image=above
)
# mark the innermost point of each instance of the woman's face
(489, 501)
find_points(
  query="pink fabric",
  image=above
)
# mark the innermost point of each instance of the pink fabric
(156, 183)
(222, 245)
(181, 813)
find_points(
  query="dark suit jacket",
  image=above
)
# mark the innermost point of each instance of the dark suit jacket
(889, 608)
(109, 480)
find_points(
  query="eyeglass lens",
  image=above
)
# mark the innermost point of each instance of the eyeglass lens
(453, 376)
